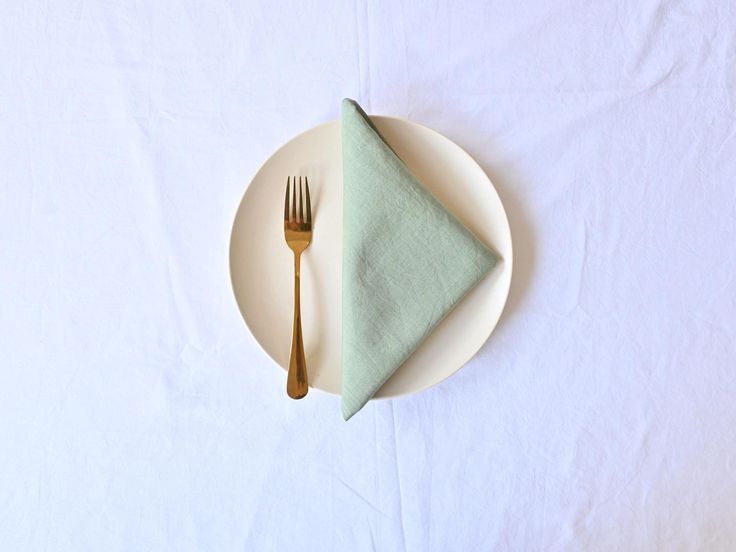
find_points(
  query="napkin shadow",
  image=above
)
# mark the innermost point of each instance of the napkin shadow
(507, 180)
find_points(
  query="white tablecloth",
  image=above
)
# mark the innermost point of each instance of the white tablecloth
(137, 413)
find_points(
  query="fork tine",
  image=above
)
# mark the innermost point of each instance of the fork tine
(309, 203)
(286, 202)
(293, 201)
(301, 201)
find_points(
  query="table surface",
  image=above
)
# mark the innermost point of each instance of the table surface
(137, 413)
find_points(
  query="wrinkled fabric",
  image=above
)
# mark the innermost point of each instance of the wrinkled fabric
(137, 413)
(407, 261)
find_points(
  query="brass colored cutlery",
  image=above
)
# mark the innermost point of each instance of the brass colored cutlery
(298, 234)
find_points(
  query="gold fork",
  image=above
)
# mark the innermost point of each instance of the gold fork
(298, 234)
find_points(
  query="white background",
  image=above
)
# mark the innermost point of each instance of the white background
(137, 413)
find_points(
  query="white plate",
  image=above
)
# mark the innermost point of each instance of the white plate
(261, 265)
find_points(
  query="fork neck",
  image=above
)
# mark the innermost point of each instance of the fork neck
(297, 264)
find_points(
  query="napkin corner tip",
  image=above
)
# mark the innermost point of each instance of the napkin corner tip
(347, 412)
(352, 109)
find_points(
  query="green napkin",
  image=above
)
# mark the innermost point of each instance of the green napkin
(406, 260)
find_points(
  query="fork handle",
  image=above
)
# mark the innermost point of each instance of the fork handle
(297, 383)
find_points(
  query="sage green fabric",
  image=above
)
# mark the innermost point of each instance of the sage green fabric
(406, 261)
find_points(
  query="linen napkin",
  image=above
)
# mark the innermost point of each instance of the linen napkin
(406, 260)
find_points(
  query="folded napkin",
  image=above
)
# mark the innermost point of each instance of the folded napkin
(406, 260)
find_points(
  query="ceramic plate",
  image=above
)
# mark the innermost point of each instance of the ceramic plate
(261, 265)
